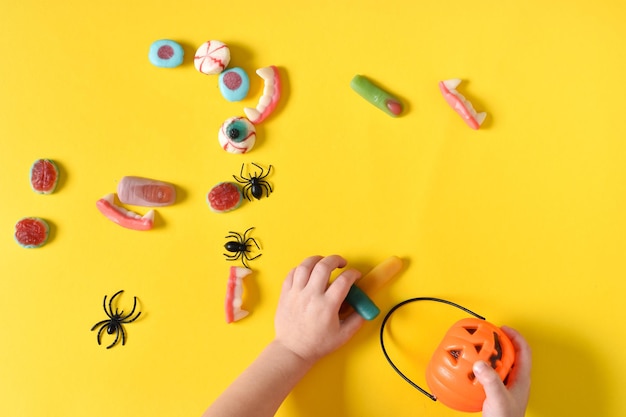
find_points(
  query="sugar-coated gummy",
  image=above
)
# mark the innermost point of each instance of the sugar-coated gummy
(166, 53)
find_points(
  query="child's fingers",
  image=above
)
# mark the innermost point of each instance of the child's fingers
(338, 290)
(288, 282)
(492, 384)
(351, 325)
(303, 271)
(520, 375)
(318, 281)
(523, 354)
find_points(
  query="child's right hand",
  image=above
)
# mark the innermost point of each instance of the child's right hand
(511, 400)
(307, 319)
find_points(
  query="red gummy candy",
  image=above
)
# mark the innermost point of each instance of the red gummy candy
(44, 176)
(225, 196)
(31, 232)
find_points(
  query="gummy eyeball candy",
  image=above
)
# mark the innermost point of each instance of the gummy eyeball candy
(166, 53)
(234, 84)
(212, 57)
(237, 135)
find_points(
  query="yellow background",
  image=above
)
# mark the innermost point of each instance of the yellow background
(522, 221)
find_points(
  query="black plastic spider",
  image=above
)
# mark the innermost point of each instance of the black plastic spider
(240, 247)
(255, 184)
(115, 320)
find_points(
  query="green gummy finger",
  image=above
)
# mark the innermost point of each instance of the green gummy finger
(362, 304)
(377, 96)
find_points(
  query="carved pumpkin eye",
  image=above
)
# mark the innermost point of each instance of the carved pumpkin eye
(470, 330)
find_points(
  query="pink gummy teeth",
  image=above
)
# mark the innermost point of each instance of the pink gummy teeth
(234, 294)
(460, 104)
(269, 99)
(123, 217)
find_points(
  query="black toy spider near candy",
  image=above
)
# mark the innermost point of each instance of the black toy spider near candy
(255, 184)
(240, 247)
(116, 320)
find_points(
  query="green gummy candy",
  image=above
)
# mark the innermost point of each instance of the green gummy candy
(377, 96)
(362, 304)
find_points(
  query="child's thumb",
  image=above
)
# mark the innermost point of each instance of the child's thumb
(490, 380)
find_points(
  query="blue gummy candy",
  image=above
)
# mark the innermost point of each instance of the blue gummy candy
(362, 304)
(166, 54)
(234, 84)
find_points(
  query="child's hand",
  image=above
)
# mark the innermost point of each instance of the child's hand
(503, 401)
(307, 320)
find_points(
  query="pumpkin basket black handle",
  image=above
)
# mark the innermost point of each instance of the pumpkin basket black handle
(382, 332)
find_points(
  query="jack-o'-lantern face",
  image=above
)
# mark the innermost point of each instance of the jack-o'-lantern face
(449, 374)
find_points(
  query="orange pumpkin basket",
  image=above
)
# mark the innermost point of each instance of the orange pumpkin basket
(449, 372)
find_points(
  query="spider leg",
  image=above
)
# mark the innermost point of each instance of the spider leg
(243, 260)
(234, 235)
(258, 166)
(269, 169)
(247, 190)
(267, 187)
(111, 303)
(245, 235)
(104, 306)
(123, 334)
(117, 335)
(233, 257)
(263, 173)
(99, 323)
(251, 239)
(253, 258)
(125, 320)
(131, 312)
(104, 326)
